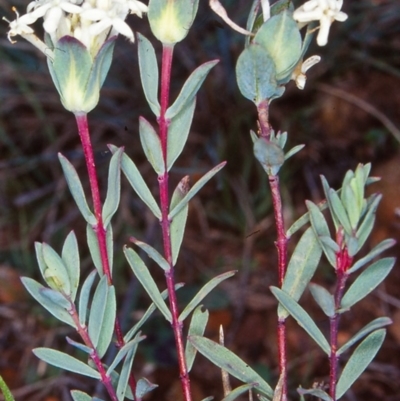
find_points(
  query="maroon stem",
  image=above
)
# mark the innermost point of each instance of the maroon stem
(163, 123)
(343, 263)
(94, 356)
(99, 229)
(281, 244)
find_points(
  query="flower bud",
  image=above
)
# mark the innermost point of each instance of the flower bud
(170, 20)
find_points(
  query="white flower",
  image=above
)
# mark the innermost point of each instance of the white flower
(299, 73)
(137, 7)
(20, 25)
(324, 11)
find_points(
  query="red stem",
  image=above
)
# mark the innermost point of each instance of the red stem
(94, 356)
(281, 244)
(99, 229)
(343, 263)
(163, 123)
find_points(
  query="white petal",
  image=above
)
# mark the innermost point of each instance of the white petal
(322, 38)
(311, 61)
(313, 15)
(123, 28)
(341, 16)
(70, 8)
(52, 19)
(94, 14)
(100, 26)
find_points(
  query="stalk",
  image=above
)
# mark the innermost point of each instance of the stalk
(281, 245)
(99, 229)
(166, 223)
(343, 263)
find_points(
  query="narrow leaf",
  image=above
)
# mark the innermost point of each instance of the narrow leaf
(151, 144)
(372, 326)
(178, 132)
(97, 311)
(76, 189)
(114, 187)
(55, 274)
(81, 396)
(84, 297)
(146, 315)
(66, 362)
(70, 257)
(6, 391)
(81, 347)
(324, 299)
(138, 184)
(152, 253)
(381, 247)
(37, 291)
(149, 73)
(302, 318)
(320, 227)
(203, 292)
(197, 327)
(293, 151)
(301, 268)
(238, 391)
(143, 275)
(228, 361)
(366, 282)
(190, 88)
(125, 372)
(359, 361)
(196, 188)
(108, 323)
(93, 245)
(316, 392)
(122, 352)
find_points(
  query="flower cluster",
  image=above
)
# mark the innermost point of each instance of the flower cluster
(89, 21)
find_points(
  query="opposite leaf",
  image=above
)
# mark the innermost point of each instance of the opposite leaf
(76, 189)
(149, 73)
(114, 187)
(359, 361)
(301, 268)
(228, 361)
(190, 89)
(70, 257)
(66, 362)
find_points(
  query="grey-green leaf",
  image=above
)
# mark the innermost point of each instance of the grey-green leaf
(238, 391)
(372, 326)
(97, 311)
(37, 291)
(138, 184)
(316, 392)
(366, 282)
(293, 151)
(143, 275)
(144, 387)
(70, 257)
(196, 328)
(76, 189)
(108, 323)
(302, 318)
(359, 361)
(190, 88)
(203, 292)
(178, 132)
(84, 297)
(301, 268)
(256, 75)
(376, 251)
(114, 187)
(80, 396)
(196, 188)
(93, 245)
(79, 346)
(228, 361)
(152, 253)
(66, 362)
(323, 298)
(320, 227)
(151, 144)
(149, 73)
(125, 372)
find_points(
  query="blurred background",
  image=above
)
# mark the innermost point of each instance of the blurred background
(348, 113)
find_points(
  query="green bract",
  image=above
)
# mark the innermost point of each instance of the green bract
(77, 76)
(171, 20)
